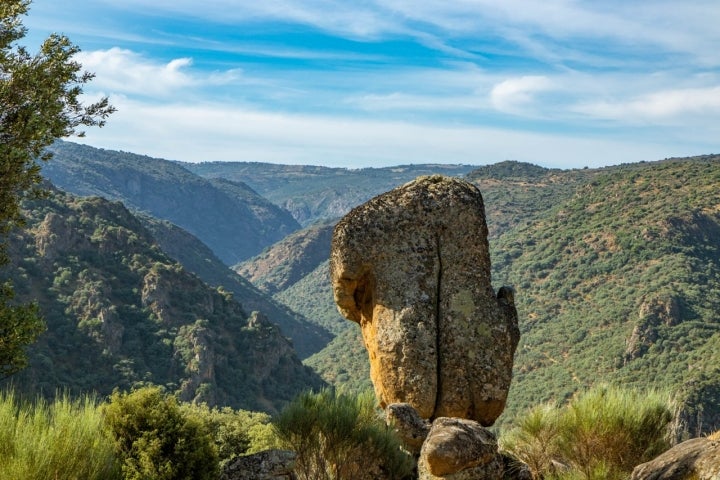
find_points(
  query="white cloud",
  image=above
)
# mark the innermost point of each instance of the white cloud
(666, 106)
(516, 95)
(221, 132)
(125, 72)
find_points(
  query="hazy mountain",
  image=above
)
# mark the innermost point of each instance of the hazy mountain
(279, 267)
(228, 216)
(120, 312)
(315, 193)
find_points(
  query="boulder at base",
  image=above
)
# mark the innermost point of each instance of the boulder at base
(695, 459)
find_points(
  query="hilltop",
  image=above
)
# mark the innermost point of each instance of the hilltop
(313, 193)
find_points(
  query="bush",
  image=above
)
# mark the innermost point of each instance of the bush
(155, 440)
(601, 434)
(234, 432)
(61, 440)
(340, 437)
(534, 440)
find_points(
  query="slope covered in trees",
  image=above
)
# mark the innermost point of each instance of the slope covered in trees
(315, 193)
(617, 278)
(229, 217)
(121, 313)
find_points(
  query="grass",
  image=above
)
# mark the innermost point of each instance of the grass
(61, 440)
(602, 433)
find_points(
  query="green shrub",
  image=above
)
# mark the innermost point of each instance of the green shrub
(64, 439)
(155, 440)
(600, 434)
(534, 440)
(234, 432)
(340, 437)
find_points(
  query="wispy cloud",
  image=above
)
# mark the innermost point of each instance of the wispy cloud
(123, 71)
(195, 132)
(516, 95)
(376, 81)
(667, 106)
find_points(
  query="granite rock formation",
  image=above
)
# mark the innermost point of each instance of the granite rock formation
(266, 465)
(412, 267)
(695, 459)
(459, 449)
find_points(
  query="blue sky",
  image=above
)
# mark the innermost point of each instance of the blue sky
(559, 83)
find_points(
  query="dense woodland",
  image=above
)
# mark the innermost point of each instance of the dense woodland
(616, 272)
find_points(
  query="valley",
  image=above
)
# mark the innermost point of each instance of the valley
(616, 270)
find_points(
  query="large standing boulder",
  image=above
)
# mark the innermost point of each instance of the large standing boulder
(412, 267)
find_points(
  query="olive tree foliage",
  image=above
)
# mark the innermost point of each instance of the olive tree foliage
(40, 101)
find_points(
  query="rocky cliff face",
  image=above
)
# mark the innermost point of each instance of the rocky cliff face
(307, 338)
(121, 313)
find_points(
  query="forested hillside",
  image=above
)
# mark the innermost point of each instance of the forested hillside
(315, 193)
(121, 313)
(229, 217)
(616, 271)
(617, 278)
(307, 337)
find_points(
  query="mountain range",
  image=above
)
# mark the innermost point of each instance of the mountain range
(616, 270)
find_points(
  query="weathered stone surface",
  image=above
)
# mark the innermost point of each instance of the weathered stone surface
(459, 449)
(266, 465)
(408, 424)
(514, 469)
(695, 459)
(412, 267)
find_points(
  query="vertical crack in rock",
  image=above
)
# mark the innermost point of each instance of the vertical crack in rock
(438, 290)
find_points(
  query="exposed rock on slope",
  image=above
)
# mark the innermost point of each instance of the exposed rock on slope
(121, 313)
(288, 261)
(412, 267)
(307, 337)
(696, 459)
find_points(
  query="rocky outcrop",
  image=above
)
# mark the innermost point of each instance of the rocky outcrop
(695, 459)
(653, 313)
(459, 449)
(412, 267)
(266, 465)
(410, 427)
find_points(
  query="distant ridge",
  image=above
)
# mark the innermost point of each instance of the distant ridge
(228, 216)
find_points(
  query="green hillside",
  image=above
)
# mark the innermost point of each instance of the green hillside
(315, 193)
(121, 313)
(617, 278)
(621, 282)
(229, 217)
(279, 267)
(307, 337)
